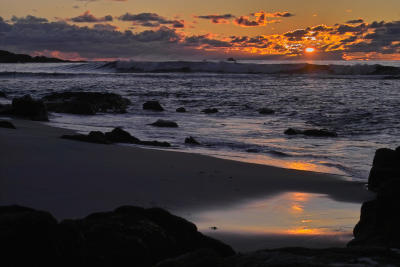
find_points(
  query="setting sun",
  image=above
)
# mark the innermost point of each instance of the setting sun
(310, 50)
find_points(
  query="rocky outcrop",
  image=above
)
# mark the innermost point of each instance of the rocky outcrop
(266, 111)
(115, 136)
(210, 110)
(2, 94)
(164, 123)
(26, 107)
(311, 132)
(7, 124)
(127, 236)
(191, 141)
(153, 105)
(85, 103)
(181, 110)
(8, 57)
(380, 219)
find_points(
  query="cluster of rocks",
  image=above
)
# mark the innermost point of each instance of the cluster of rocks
(380, 218)
(134, 236)
(26, 107)
(86, 103)
(115, 136)
(127, 236)
(311, 132)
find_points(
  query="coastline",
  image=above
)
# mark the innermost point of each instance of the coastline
(72, 179)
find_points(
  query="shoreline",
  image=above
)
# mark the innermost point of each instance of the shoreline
(72, 179)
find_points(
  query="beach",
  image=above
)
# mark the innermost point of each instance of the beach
(71, 179)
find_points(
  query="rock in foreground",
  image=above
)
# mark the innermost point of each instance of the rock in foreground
(85, 103)
(191, 141)
(380, 218)
(210, 110)
(127, 236)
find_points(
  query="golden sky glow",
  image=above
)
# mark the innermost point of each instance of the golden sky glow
(244, 29)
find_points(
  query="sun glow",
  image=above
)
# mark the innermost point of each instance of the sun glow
(310, 50)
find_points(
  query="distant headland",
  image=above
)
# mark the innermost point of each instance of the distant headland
(8, 57)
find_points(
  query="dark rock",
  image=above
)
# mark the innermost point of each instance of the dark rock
(93, 137)
(181, 109)
(190, 140)
(320, 133)
(2, 94)
(198, 258)
(120, 136)
(27, 107)
(86, 103)
(27, 237)
(210, 110)
(311, 132)
(379, 220)
(165, 123)
(7, 124)
(292, 131)
(266, 111)
(231, 59)
(153, 105)
(385, 167)
(127, 236)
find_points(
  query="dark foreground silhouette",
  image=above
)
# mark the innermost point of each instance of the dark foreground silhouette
(8, 57)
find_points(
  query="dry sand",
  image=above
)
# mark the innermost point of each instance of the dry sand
(72, 179)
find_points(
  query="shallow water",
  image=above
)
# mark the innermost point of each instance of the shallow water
(289, 219)
(362, 109)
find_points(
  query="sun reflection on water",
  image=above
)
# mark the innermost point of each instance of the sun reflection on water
(292, 213)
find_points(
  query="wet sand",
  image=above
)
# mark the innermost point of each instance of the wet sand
(72, 179)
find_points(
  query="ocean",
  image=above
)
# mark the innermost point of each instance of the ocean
(357, 100)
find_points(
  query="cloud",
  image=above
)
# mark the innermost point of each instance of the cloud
(355, 21)
(217, 19)
(89, 18)
(261, 18)
(29, 19)
(103, 40)
(151, 20)
(280, 14)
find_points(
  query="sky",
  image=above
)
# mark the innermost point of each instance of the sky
(177, 29)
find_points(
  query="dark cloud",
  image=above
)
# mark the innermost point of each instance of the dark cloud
(355, 21)
(245, 22)
(281, 15)
(151, 20)
(217, 19)
(105, 27)
(296, 35)
(89, 18)
(28, 19)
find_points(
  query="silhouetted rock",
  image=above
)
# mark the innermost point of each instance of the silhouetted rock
(93, 137)
(7, 124)
(85, 103)
(8, 57)
(231, 59)
(165, 123)
(190, 140)
(311, 132)
(380, 219)
(2, 94)
(181, 109)
(115, 136)
(210, 110)
(120, 136)
(153, 105)
(27, 237)
(26, 107)
(266, 111)
(127, 236)
(292, 131)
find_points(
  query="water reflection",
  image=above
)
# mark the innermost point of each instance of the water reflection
(292, 213)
